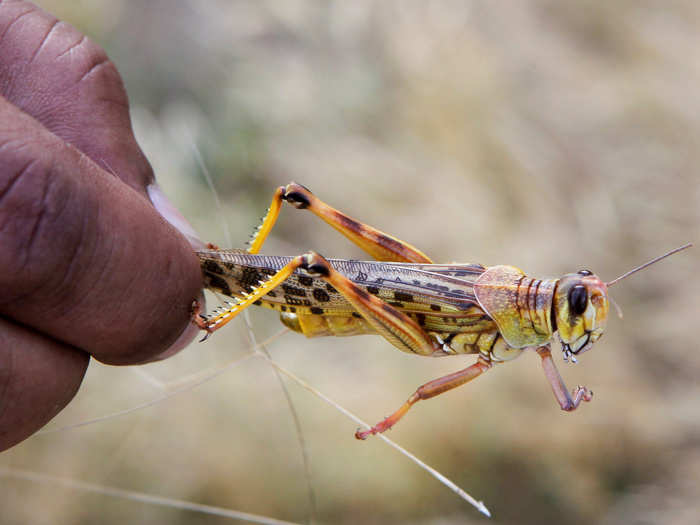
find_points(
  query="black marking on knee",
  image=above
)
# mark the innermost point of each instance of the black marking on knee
(315, 265)
(316, 310)
(297, 198)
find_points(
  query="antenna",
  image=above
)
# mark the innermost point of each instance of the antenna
(655, 260)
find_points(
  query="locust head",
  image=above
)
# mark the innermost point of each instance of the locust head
(580, 311)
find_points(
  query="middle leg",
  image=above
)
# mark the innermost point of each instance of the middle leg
(428, 390)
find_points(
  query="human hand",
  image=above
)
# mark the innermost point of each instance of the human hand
(87, 264)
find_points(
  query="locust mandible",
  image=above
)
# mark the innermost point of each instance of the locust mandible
(420, 307)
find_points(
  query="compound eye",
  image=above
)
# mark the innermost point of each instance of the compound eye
(585, 273)
(578, 299)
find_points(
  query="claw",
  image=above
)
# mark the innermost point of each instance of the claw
(364, 434)
(584, 392)
(568, 354)
(384, 425)
(200, 320)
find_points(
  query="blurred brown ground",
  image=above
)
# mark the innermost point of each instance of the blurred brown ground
(550, 135)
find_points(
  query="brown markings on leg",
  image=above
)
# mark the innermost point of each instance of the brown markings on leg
(378, 244)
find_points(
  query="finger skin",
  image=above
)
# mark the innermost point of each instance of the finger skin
(87, 266)
(51, 71)
(86, 259)
(38, 377)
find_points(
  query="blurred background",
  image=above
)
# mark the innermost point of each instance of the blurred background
(549, 135)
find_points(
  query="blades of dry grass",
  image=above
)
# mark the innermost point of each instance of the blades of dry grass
(152, 499)
(187, 384)
(479, 505)
(306, 461)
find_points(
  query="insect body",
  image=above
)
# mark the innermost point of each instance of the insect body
(419, 307)
(428, 294)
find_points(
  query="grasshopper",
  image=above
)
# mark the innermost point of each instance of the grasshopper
(420, 307)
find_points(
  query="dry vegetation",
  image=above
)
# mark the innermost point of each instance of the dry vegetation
(549, 135)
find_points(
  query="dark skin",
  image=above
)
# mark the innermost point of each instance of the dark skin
(88, 266)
